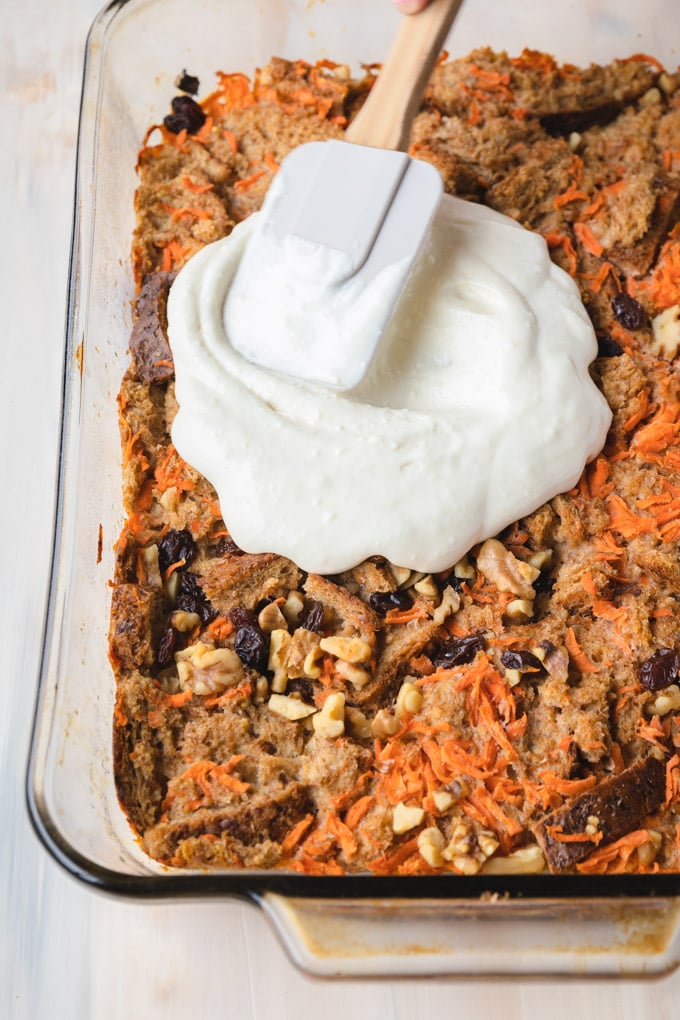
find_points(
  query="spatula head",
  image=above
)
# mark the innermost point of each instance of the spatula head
(322, 274)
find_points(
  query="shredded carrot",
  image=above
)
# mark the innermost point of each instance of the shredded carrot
(270, 163)
(230, 137)
(342, 834)
(190, 212)
(119, 715)
(577, 655)
(388, 863)
(554, 240)
(558, 834)
(624, 521)
(644, 58)
(475, 115)
(535, 60)
(173, 255)
(588, 239)
(614, 857)
(341, 801)
(167, 574)
(652, 731)
(598, 281)
(220, 628)
(197, 189)
(296, 834)
(178, 700)
(568, 787)
(233, 92)
(607, 549)
(672, 778)
(310, 866)
(663, 288)
(641, 413)
(247, 182)
(572, 194)
(231, 694)
(170, 470)
(204, 772)
(358, 810)
(405, 615)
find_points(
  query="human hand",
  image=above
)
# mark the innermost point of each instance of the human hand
(410, 6)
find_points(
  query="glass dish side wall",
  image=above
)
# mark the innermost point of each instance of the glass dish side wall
(136, 49)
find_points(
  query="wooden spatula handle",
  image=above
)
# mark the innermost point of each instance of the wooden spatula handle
(386, 117)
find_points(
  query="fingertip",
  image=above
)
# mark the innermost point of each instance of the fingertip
(410, 6)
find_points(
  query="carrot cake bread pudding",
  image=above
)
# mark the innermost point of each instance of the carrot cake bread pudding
(518, 711)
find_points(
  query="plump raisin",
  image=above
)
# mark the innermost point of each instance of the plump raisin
(521, 660)
(192, 599)
(312, 616)
(384, 601)
(167, 646)
(188, 83)
(251, 645)
(629, 312)
(186, 115)
(660, 670)
(458, 651)
(174, 547)
(242, 617)
(607, 347)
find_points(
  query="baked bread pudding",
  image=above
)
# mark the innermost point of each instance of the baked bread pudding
(516, 712)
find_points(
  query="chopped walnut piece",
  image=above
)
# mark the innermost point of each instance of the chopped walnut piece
(303, 652)
(330, 721)
(666, 333)
(405, 817)
(289, 707)
(205, 669)
(506, 571)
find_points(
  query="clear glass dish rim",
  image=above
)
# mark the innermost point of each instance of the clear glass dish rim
(494, 890)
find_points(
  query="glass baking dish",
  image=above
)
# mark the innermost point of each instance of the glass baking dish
(369, 925)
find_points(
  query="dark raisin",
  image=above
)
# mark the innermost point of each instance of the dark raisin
(242, 617)
(629, 312)
(192, 599)
(458, 651)
(384, 601)
(174, 547)
(660, 670)
(312, 617)
(544, 583)
(188, 83)
(167, 646)
(251, 645)
(186, 115)
(607, 347)
(521, 660)
(227, 547)
(298, 685)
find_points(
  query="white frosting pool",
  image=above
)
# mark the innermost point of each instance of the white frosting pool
(477, 408)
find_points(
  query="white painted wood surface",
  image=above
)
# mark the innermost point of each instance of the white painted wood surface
(66, 952)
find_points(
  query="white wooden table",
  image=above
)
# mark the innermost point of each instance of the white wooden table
(66, 952)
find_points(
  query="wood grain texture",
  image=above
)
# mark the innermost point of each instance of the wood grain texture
(64, 951)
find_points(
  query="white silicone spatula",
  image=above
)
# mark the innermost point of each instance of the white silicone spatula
(341, 227)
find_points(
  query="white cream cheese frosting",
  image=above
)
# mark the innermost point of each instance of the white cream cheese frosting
(477, 407)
